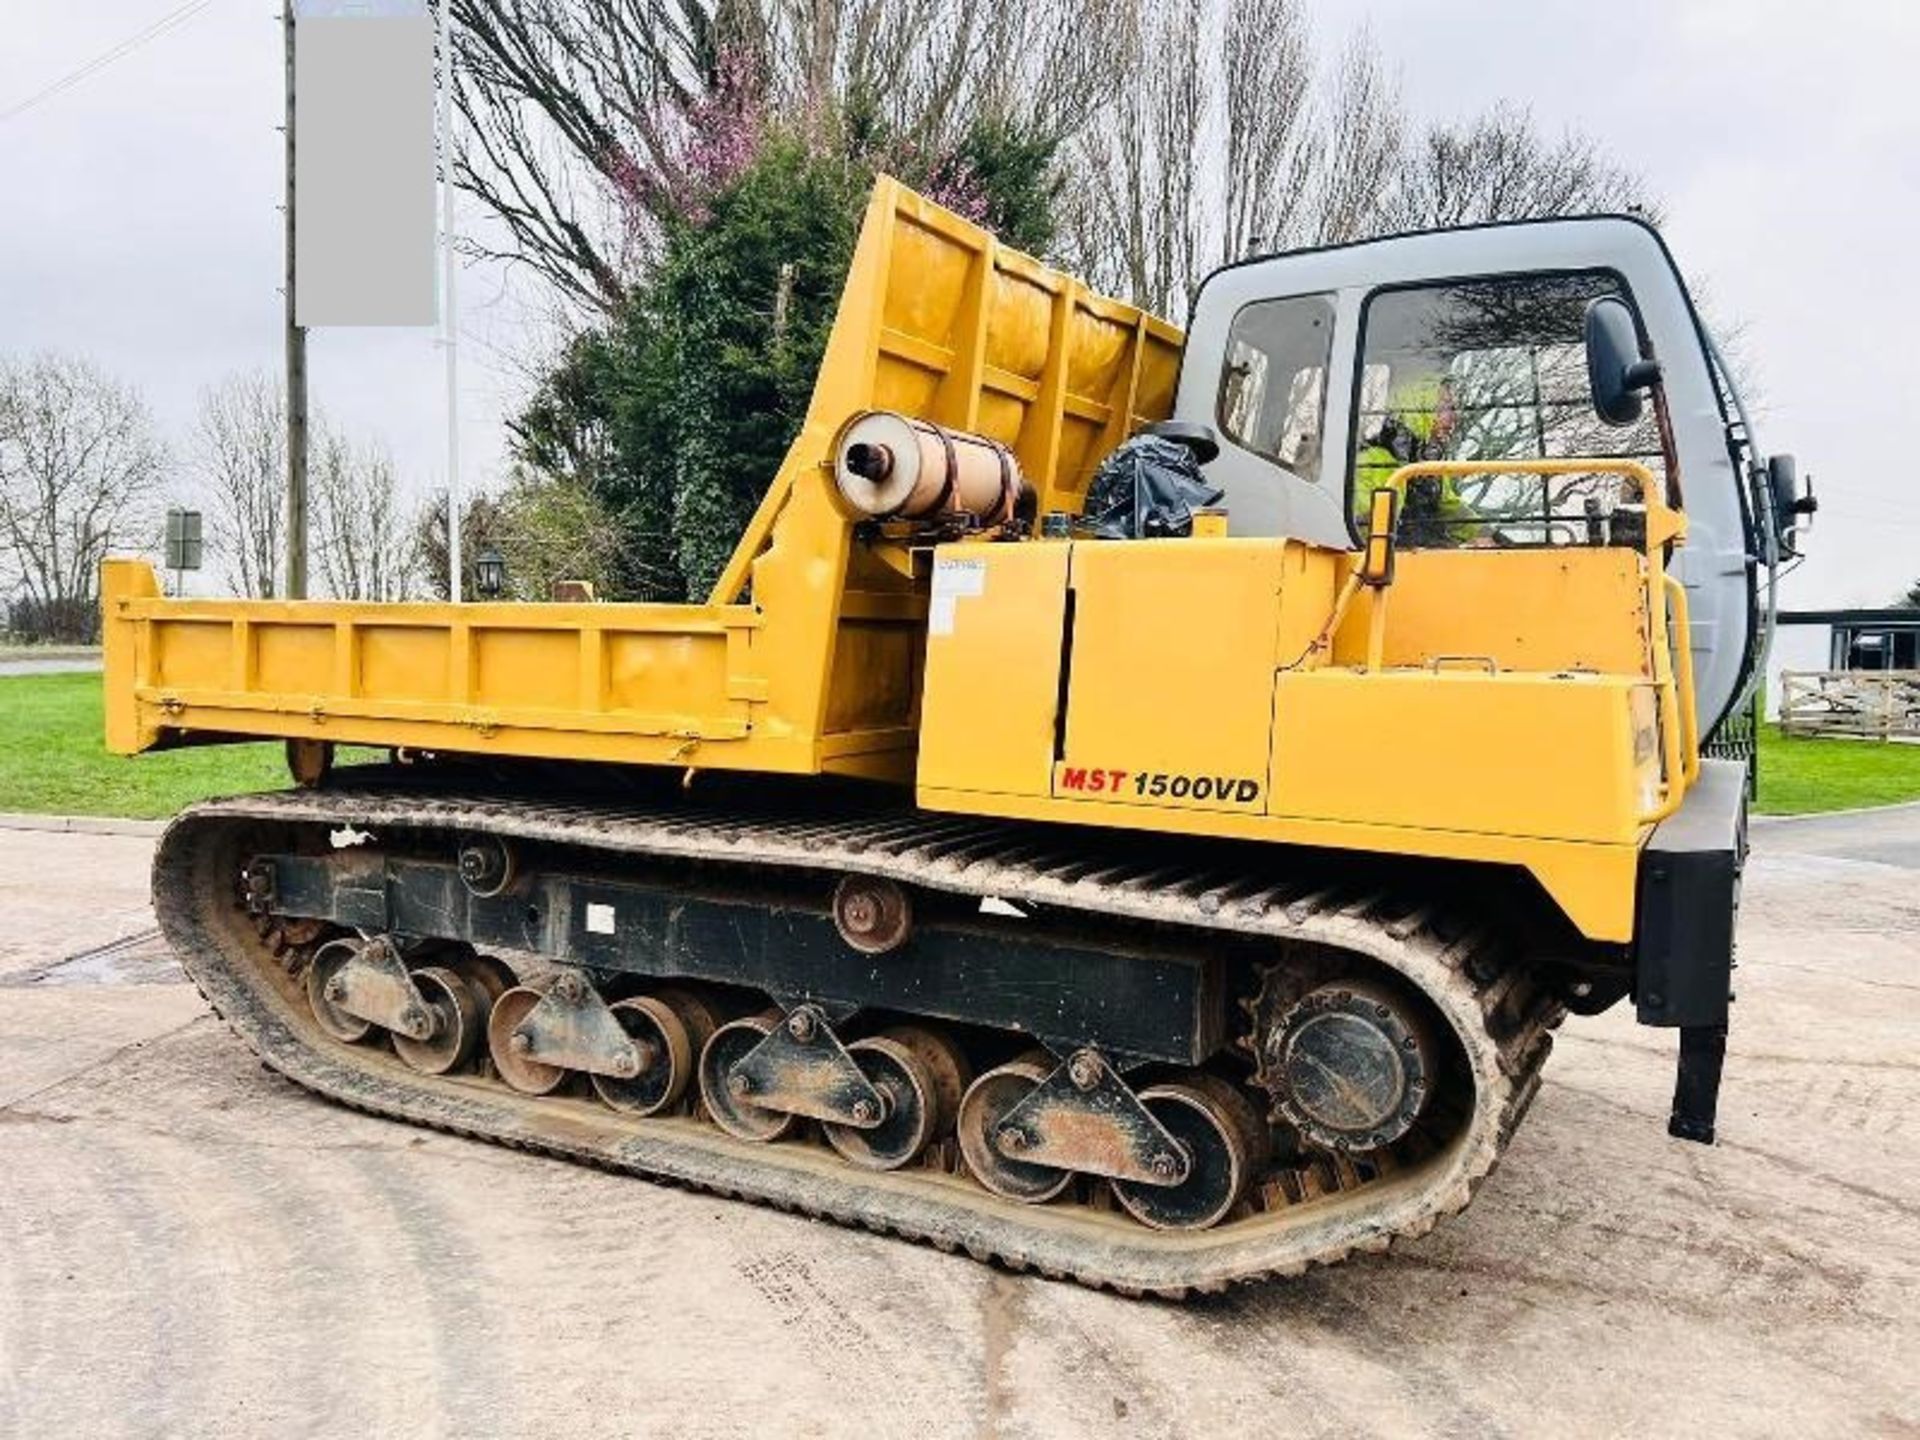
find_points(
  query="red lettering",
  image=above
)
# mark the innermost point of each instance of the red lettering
(1071, 779)
(1115, 777)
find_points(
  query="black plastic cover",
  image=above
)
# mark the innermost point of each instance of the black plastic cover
(1689, 894)
(1146, 489)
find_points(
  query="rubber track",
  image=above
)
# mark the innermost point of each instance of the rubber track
(1501, 1022)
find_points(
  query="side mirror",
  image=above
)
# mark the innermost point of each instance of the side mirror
(1783, 478)
(1616, 371)
(1793, 507)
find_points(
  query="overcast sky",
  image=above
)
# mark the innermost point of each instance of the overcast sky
(139, 221)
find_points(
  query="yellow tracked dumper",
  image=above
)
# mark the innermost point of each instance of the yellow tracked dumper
(1135, 806)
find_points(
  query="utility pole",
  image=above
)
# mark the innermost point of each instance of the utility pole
(296, 586)
(449, 318)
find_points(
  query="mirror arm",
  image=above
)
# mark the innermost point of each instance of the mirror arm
(1669, 449)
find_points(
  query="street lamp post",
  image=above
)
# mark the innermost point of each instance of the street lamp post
(489, 574)
(449, 320)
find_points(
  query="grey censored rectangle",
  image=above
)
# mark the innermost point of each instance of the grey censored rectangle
(364, 229)
(359, 9)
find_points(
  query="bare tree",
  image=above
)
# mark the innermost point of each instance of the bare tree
(1193, 130)
(1224, 132)
(240, 449)
(363, 540)
(80, 463)
(1497, 166)
(1356, 154)
(587, 122)
(1268, 158)
(1133, 221)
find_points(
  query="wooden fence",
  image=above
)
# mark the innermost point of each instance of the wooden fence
(1873, 704)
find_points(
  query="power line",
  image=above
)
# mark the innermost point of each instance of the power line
(169, 21)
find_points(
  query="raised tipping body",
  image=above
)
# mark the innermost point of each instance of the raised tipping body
(1159, 912)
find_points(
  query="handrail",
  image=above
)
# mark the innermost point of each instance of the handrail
(1682, 624)
(1673, 761)
(1664, 523)
(1679, 723)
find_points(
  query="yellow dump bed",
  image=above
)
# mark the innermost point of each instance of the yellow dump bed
(807, 655)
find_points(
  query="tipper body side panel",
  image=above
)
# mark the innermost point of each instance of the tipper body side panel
(806, 657)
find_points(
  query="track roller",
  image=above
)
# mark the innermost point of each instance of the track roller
(987, 1102)
(490, 977)
(945, 1061)
(519, 1069)
(872, 914)
(911, 1110)
(668, 1051)
(459, 1015)
(736, 1113)
(487, 866)
(328, 961)
(1226, 1145)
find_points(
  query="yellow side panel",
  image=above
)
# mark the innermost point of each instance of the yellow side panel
(1171, 696)
(1563, 609)
(1594, 884)
(535, 669)
(408, 662)
(1495, 754)
(666, 674)
(993, 666)
(190, 654)
(288, 659)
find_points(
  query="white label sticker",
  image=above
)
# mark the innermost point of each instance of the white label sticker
(599, 919)
(953, 579)
(959, 577)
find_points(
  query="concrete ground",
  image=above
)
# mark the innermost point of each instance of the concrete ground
(191, 1246)
(52, 665)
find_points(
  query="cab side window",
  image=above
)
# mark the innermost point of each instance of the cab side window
(1490, 369)
(1273, 389)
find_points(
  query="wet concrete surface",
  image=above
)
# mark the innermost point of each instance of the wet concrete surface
(1884, 837)
(191, 1246)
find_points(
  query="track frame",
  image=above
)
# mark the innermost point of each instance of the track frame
(1499, 1016)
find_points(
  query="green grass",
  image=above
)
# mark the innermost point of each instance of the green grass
(54, 761)
(1802, 777)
